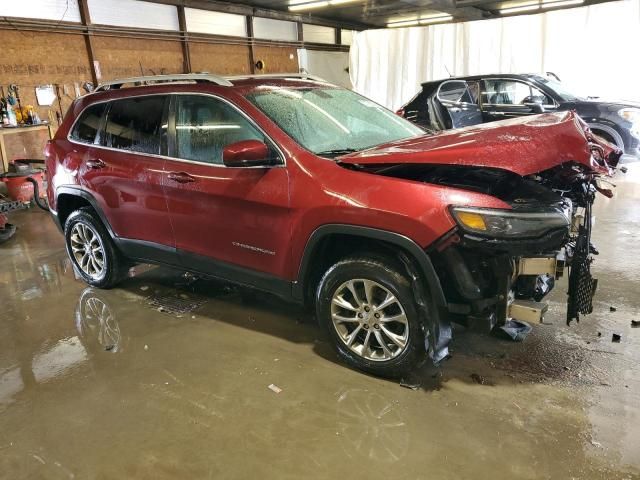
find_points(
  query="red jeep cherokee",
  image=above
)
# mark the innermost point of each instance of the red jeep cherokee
(312, 192)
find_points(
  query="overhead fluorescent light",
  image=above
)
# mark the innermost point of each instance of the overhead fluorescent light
(561, 3)
(436, 19)
(521, 8)
(422, 21)
(297, 5)
(405, 23)
(308, 6)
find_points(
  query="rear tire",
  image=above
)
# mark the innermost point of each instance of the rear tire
(93, 254)
(367, 308)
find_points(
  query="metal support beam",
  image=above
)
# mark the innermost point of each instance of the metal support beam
(88, 39)
(252, 59)
(184, 40)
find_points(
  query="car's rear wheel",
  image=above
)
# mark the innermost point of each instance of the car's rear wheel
(367, 308)
(92, 252)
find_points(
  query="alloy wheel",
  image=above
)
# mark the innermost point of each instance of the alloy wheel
(369, 320)
(87, 250)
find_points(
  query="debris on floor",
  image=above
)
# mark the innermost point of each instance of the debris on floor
(635, 323)
(410, 385)
(479, 379)
(513, 330)
(144, 288)
(615, 338)
(612, 309)
(146, 347)
(274, 388)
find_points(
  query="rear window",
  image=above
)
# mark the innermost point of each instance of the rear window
(135, 124)
(87, 126)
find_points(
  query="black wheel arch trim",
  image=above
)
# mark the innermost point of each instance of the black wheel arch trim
(434, 314)
(85, 195)
(413, 249)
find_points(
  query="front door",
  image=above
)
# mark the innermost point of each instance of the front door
(509, 98)
(230, 221)
(459, 101)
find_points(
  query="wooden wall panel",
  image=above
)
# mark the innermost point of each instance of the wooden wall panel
(132, 57)
(277, 59)
(222, 59)
(37, 58)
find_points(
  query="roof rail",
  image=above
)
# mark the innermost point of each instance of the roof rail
(150, 80)
(304, 76)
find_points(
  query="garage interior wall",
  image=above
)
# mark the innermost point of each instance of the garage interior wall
(44, 43)
(586, 47)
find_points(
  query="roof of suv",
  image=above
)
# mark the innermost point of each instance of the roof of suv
(205, 78)
(529, 76)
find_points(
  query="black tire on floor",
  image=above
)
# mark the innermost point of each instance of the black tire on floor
(391, 276)
(116, 266)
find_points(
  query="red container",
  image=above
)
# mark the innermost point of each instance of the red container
(19, 188)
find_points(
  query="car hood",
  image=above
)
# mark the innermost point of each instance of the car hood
(524, 146)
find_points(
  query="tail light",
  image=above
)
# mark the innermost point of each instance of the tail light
(400, 112)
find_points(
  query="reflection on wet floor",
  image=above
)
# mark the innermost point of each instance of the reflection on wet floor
(117, 384)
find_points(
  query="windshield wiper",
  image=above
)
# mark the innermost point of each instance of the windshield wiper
(336, 152)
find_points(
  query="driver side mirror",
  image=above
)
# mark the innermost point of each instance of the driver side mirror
(536, 104)
(247, 153)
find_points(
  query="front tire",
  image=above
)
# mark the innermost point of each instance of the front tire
(92, 252)
(367, 308)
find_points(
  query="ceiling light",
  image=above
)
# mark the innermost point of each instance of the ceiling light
(522, 8)
(436, 19)
(296, 5)
(561, 3)
(405, 23)
(422, 21)
(308, 6)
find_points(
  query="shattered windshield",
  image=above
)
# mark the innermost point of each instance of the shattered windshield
(331, 121)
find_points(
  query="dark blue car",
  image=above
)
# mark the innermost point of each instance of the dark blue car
(463, 101)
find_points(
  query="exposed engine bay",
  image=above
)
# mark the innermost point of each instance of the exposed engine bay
(497, 266)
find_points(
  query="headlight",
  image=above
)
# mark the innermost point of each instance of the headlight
(509, 223)
(630, 114)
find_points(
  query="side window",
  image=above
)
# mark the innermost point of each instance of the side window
(455, 91)
(87, 126)
(135, 124)
(540, 96)
(505, 92)
(205, 125)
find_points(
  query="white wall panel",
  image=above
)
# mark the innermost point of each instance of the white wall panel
(271, 29)
(346, 36)
(215, 23)
(58, 10)
(134, 13)
(318, 33)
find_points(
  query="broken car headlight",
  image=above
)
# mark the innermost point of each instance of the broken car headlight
(509, 223)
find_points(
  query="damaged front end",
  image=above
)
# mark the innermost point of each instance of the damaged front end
(497, 265)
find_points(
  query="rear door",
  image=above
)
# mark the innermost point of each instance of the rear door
(123, 169)
(459, 101)
(510, 98)
(229, 221)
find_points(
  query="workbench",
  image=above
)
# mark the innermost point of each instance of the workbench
(23, 141)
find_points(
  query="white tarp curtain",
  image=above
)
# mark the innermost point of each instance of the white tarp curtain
(594, 50)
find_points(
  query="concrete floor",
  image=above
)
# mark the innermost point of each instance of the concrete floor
(101, 384)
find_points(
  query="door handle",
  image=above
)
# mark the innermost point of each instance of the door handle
(181, 177)
(95, 164)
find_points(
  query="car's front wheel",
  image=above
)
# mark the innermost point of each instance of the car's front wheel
(91, 250)
(367, 308)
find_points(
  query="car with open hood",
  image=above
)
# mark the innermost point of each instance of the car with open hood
(294, 186)
(463, 101)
